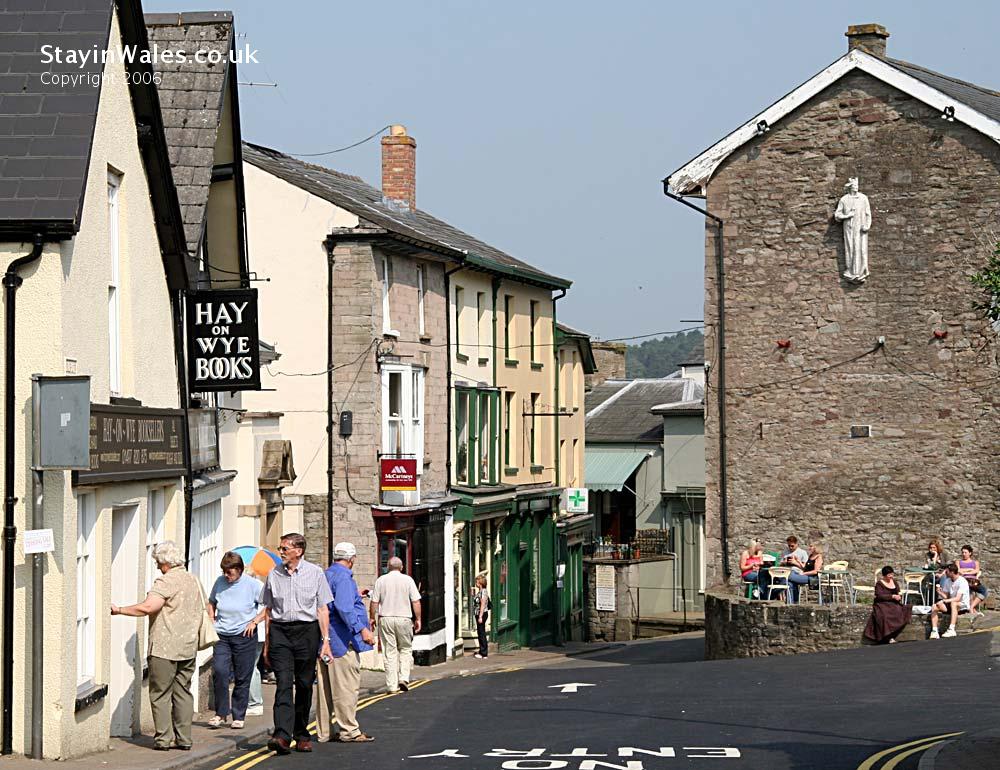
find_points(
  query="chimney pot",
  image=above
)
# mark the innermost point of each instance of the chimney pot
(870, 38)
(399, 168)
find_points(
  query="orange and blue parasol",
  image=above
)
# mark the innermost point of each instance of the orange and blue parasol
(258, 560)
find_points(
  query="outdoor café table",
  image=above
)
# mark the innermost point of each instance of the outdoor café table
(926, 585)
(827, 576)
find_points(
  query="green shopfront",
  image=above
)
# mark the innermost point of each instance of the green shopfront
(510, 534)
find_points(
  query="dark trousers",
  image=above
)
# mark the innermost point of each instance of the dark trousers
(481, 626)
(293, 649)
(233, 655)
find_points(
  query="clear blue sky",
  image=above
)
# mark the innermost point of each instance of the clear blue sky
(545, 127)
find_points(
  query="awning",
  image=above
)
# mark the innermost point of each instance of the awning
(607, 470)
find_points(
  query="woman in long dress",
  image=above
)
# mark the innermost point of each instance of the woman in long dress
(889, 615)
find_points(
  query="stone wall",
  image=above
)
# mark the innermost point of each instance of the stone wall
(930, 395)
(359, 349)
(605, 625)
(610, 360)
(741, 628)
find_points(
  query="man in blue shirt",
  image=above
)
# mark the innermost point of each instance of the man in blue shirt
(350, 635)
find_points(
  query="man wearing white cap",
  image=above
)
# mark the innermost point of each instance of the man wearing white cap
(340, 675)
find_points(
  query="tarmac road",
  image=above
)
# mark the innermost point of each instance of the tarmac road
(656, 705)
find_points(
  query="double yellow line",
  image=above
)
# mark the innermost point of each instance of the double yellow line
(257, 756)
(906, 750)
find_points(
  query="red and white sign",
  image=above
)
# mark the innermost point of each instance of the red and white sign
(399, 475)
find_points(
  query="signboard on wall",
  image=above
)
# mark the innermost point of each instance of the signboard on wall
(223, 346)
(605, 579)
(398, 474)
(133, 442)
(574, 500)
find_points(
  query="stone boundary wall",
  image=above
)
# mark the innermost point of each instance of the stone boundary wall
(742, 628)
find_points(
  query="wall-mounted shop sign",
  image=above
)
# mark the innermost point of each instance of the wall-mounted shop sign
(204, 432)
(223, 346)
(133, 442)
(399, 475)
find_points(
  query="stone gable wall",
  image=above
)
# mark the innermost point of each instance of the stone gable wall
(932, 465)
(357, 387)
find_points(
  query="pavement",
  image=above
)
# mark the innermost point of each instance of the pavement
(136, 753)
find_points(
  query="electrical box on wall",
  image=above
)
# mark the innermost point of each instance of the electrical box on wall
(60, 410)
(346, 424)
(861, 431)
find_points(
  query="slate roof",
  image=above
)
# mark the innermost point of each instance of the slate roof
(192, 94)
(46, 130)
(980, 99)
(619, 411)
(353, 194)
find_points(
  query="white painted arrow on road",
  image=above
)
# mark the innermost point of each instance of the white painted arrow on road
(569, 687)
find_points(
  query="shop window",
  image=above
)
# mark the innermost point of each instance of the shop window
(462, 436)
(536, 571)
(503, 583)
(156, 513)
(86, 590)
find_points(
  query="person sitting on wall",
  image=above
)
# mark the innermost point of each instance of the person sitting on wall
(750, 561)
(954, 600)
(808, 574)
(968, 567)
(889, 614)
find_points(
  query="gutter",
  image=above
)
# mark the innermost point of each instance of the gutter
(329, 243)
(720, 270)
(11, 283)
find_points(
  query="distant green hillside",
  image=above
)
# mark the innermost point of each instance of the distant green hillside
(660, 357)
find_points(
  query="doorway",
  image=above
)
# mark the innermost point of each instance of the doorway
(124, 636)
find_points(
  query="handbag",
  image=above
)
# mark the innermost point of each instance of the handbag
(207, 636)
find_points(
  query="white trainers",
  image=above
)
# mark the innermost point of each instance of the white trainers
(949, 633)
(237, 724)
(934, 634)
(216, 722)
(255, 711)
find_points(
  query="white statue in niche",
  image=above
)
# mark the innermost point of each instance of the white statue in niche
(856, 214)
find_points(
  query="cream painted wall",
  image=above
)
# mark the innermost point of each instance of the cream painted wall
(572, 426)
(62, 312)
(286, 227)
(516, 374)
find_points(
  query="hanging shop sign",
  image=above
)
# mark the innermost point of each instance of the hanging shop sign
(399, 475)
(133, 442)
(223, 345)
(575, 499)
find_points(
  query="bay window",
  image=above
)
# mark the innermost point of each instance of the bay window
(477, 457)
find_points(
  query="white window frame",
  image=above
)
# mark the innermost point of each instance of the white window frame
(386, 288)
(480, 318)
(411, 417)
(206, 534)
(114, 287)
(86, 589)
(421, 292)
(459, 306)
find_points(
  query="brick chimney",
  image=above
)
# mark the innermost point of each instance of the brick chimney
(870, 38)
(399, 168)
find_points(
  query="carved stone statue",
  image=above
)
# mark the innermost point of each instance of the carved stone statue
(856, 215)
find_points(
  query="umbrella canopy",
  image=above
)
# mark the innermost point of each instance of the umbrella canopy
(257, 560)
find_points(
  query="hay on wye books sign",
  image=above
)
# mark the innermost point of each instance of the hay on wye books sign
(223, 346)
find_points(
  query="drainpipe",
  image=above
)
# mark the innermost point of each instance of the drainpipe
(496, 293)
(721, 381)
(330, 244)
(11, 282)
(451, 390)
(556, 550)
(177, 306)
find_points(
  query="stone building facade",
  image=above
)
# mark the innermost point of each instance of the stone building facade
(610, 361)
(811, 358)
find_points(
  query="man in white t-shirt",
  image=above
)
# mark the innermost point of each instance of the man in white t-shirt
(395, 602)
(955, 601)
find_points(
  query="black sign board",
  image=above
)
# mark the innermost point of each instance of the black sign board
(223, 346)
(133, 442)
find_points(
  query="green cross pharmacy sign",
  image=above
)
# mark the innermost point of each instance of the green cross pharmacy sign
(575, 500)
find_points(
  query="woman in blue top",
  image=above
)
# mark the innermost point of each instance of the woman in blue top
(234, 609)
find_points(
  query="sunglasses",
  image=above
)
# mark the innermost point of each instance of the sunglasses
(283, 548)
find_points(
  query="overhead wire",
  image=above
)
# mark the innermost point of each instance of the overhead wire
(340, 149)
